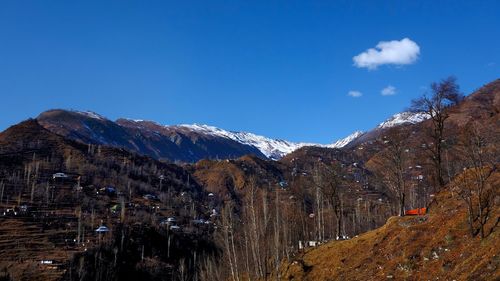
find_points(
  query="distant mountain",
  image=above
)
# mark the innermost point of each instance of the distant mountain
(404, 118)
(398, 119)
(345, 141)
(186, 143)
(143, 137)
(271, 148)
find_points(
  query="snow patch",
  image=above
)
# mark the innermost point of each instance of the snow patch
(404, 118)
(271, 148)
(91, 114)
(345, 141)
(277, 148)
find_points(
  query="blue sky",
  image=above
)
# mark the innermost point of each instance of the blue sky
(283, 69)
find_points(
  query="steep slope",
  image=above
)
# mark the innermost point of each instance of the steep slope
(87, 127)
(436, 246)
(44, 216)
(482, 105)
(230, 178)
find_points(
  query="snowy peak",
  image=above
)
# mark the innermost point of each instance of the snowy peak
(276, 148)
(404, 118)
(271, 148)
(187, 143)
(345, 141)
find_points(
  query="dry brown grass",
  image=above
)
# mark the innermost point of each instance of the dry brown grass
(437, 246)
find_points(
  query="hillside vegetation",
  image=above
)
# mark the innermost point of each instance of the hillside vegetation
(48, 223)
(437, 246)
(251, 218)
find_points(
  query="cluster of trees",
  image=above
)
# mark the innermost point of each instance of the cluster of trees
(271, 221)
(256, 236)
(474, 185)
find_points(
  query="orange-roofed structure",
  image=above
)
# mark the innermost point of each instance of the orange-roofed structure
(416, 212)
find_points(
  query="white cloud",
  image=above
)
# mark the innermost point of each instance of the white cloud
(388, 91)
(355, 94)
(395, 52)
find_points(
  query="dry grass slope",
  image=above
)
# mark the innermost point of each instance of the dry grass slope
(432, 247)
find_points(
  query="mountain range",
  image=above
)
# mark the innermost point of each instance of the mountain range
(186, 143)
(98, 155)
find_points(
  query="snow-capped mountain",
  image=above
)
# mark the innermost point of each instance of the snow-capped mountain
(271, 148)
(398, 119)
(345, 141)
(188, 143)
(406, 117)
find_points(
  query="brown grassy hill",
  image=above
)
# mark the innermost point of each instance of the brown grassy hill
(436, 246)
(483, 104)
(228, 178)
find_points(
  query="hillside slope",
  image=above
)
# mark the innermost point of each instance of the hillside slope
(43, 217)
(436, 246)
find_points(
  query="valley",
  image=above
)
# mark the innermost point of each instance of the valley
(86, 198)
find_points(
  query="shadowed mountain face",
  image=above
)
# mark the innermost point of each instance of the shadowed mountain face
(144, 137)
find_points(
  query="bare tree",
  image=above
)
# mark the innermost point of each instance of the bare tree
(2, 187)
(228, 233)
(328, 180)
(257, 227)
(473, 186)
(78, 212)
(444, 94)
(210, 269)
(392, 167)
(277, 257)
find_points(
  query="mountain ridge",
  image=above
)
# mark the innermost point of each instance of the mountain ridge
(183, 142)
